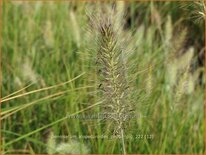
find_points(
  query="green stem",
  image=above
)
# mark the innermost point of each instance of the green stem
(123, 143)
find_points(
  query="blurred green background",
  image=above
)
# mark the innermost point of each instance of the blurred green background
(49, 43)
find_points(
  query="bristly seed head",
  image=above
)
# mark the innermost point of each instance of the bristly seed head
(112, 72)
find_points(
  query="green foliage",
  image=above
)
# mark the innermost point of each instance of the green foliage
(155, 53)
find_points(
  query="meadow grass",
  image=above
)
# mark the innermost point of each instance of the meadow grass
(49, 72)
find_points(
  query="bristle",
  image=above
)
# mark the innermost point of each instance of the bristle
(112, 74)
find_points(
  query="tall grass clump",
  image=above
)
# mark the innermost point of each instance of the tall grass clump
(112, 73)
(143, 58)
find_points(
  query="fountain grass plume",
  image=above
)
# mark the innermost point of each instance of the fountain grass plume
(112, 72)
